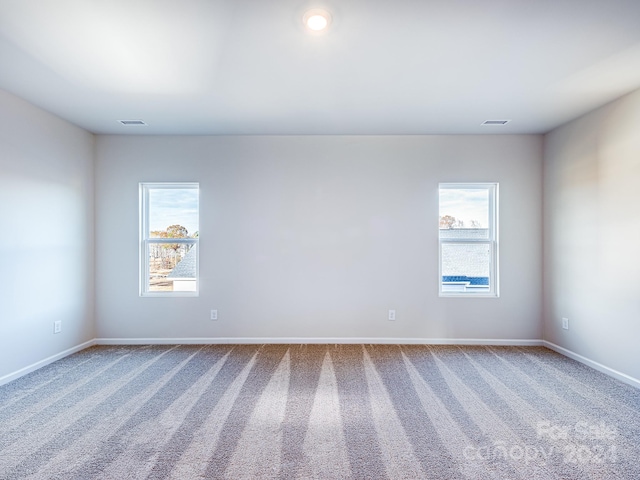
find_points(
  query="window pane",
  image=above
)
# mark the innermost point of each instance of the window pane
(464, 213)
(466, 267)
(170, 233)
(172, 267)
(173, 213)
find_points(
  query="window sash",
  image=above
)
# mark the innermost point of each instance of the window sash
(146, 240)
(459, 240)
(491, 241)
(145, 286)
(172, 240)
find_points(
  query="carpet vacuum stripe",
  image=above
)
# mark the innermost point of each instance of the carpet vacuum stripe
(318, 412)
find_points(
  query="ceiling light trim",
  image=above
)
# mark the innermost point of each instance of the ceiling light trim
(317, 20)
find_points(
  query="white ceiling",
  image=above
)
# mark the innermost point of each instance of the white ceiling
(385, 67)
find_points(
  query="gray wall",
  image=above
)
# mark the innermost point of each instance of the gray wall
(592, 235)
(319, 236)
(46, 245)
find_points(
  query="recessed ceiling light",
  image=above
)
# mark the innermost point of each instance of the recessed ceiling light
(495, 122)
(317, 20)
(132, 122)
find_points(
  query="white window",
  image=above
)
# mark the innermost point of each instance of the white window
(169, 234)
(468, 239)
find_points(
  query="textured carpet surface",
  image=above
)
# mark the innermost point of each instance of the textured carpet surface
(318, 411)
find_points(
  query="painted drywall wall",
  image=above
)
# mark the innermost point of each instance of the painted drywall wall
(592, 235)
(318, 237)
(46, 246)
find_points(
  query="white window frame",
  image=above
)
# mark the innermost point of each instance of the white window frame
(491, 241)
(146, 241)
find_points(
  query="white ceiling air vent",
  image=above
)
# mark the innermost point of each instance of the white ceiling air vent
(495, 122)
(132, 122)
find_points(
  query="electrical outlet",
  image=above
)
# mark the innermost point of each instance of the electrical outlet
(565, 323)
(392, 315)
(57, 326)
(214, 314)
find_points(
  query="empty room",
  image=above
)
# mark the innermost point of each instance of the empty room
(320, 240)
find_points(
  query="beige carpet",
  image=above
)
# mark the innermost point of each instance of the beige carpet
(318, 411)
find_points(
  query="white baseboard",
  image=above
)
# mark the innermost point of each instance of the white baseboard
(315, 340)
(323, 340)
(623, 377)
(35, 366)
